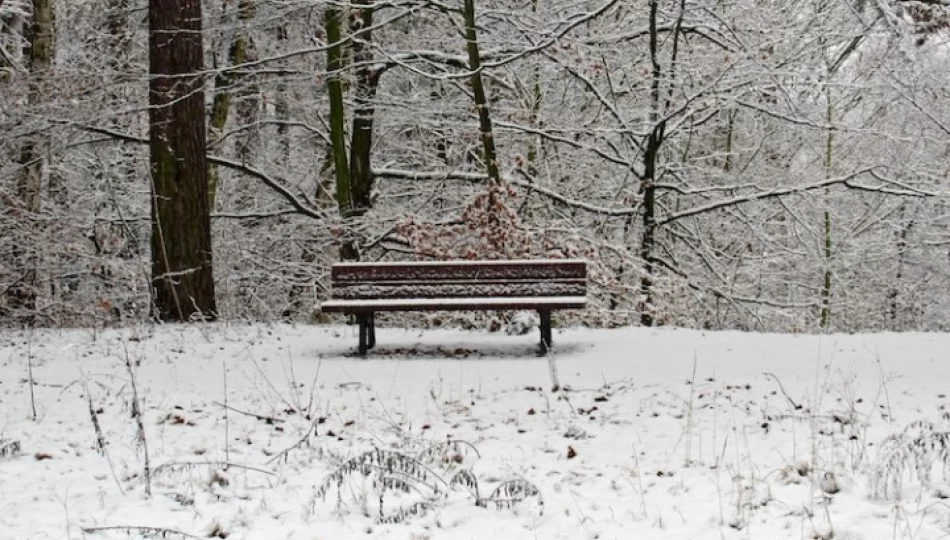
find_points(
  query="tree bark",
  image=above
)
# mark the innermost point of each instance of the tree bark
(40, 58)
(21, 297)
(335, 63)
(8, 25)
(367, 81)
(481, 98)
(490, 155)
(333, 24)
(893, 296)
(182, 274)
(224, 92)
(651, 153)
(648, 182)
(825, 318)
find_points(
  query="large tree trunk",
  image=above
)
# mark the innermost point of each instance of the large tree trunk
(181, 220)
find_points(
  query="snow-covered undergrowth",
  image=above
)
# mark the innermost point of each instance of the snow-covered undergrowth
(272, 432)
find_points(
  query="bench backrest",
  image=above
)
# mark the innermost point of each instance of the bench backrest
(459, 279)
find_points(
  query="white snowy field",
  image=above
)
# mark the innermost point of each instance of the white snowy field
(656, 434)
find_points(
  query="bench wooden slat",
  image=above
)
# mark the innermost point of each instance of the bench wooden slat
(403, 289)
(455, 304)
(459, 270)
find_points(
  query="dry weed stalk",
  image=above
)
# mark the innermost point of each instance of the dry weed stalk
(136, 413)
(142, 532)
(917, 450)
(180, 467)
(9, 447)
(422, 476)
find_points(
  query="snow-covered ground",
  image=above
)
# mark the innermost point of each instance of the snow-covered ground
(655, 434)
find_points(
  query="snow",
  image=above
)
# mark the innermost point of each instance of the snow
(464, 262)
(456, 302)
(480, 289)
(672, 433)
(465, 270)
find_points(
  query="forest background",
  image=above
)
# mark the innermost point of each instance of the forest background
(775, 165)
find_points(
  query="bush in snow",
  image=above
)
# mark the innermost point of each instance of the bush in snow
(489, 228)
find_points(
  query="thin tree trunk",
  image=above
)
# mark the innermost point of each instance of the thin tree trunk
(481, 99)
(535, 142)
(894, 293)
(730, 133)
(651, 154)
(120, 51)
(367, 81)
(825, 319)
(181, 219)
(281, 104)
(333, 22)
(303, 286)
(12, 25)
(40, 58)
(224, 92)
(535, 112)
(648, 238)
(22, 295)
(496, 236)
(648, 184)
(333, 18)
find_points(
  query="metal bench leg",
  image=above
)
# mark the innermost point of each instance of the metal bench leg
(371, 323)
(364, 331)
(545, 330)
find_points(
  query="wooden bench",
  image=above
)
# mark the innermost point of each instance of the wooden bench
(363, 289)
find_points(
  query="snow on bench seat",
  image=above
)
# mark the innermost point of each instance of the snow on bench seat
(457, 303)
(458, 289)
(493, 270)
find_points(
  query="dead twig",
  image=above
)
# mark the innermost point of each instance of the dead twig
(149, 532)
(185, 465)
(782, 388)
